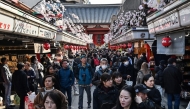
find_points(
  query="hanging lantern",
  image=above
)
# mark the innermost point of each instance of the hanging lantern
(166, 41)
(129, 45)
(66, 46)
(46, 46)
(124, 45)
(74, 47)
(71, 47)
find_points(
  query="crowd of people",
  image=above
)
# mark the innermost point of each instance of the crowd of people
(122, 80)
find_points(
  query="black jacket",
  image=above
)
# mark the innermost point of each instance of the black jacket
(119, 87)
(172, 80)
(115, 58)
(98, 74)
(20, 82)
(126, 70)
(154, 95)
(104, 99)
(148, 104)
(159, 75)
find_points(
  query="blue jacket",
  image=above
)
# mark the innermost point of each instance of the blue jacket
(84, 74)
(66, 77)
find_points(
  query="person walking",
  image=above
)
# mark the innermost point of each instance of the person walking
(102, 69)
(143, 71)
(20, 85)
(66, 78)
(172, 83)
(84, 75)
(7, 77)
(105, 95)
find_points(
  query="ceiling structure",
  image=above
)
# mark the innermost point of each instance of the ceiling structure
(96, 18)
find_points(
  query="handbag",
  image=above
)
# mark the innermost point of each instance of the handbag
(129, 82)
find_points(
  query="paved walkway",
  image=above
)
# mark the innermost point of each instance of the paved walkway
(183, 104)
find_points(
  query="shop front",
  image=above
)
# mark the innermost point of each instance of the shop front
(171, 29)
(20, 31)
(137, 41)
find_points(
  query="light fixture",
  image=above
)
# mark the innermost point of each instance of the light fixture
(187, 33)
(26, 46)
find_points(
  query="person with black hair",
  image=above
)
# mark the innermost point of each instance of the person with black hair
(126, 69)
(153, 94)
(105, 95)
(52, 100)
(51, 71)
(116, 56)
(66, 78)
(118, 81)
(20, 85)
(159, 82)
(172, 83)
(126, 99)
(7, 78)
(49, 82)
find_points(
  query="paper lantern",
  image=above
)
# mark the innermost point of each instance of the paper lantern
(46, 46)
(129, 45)
(166, 41)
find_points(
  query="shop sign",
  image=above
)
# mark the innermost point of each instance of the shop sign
(46, 33)
(185, 16)
(167, 23)
(25, 15)
(25, 28)
(151, 28)
(6, 23)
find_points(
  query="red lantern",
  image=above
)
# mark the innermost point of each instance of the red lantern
(71, 47)
(129, 45)
(46, 46)
(166, 41)
(124, 45)
(66, 46)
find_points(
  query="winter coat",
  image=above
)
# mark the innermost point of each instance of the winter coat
(6, 74)
(104, 99)
(116, 66)
(140, 76)
(126, 70)
(20, 82)
(38, 101)
(154, 95)
(32, 75)
(159, 75)
(115, 58)
(172, 80)
(120, 86)
(66, 77)
(98, 74)
(84, 74)
(148, 104)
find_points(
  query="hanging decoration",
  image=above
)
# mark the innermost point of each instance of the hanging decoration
(53, 11)
(46, 46)
(66, 46)
(166, 41)
(129, 45)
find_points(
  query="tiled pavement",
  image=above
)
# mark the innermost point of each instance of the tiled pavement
(183, 104)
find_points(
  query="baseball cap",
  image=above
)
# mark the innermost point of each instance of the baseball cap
(141, 88)
(83, 56)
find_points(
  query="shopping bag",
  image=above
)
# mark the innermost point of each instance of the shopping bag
(128, 82)
(29, 101)
(16, 99)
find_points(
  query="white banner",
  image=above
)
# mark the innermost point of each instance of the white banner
(6, 23)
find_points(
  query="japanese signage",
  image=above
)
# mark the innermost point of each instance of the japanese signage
(25, 28)
(151, 28)
(185, 16)
(6, 23)
(46, 34)
(167, 23)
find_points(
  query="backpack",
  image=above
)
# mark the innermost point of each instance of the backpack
(96, 62)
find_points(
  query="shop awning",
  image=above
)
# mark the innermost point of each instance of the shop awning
(133, 35)
(68, 38)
